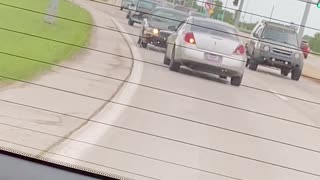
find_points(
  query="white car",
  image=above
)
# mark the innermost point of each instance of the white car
(207, 45)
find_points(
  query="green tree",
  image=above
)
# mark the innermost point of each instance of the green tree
(217, 10)
(315, 43)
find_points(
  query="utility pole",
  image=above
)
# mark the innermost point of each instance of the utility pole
(52, 12)
(304, 19)
(238, 14)
(271, 13)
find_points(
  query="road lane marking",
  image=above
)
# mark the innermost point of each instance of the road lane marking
(279, 96)
(111, 112)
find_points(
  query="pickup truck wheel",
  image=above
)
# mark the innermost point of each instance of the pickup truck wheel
(253, 66)
(236, 81)
(130, 22)
(285, 72)
(296, 74)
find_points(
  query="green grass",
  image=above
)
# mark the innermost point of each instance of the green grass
(31, 47)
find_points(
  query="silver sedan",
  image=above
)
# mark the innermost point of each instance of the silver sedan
(207, 45)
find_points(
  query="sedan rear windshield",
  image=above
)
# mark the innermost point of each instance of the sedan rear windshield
(214, 29)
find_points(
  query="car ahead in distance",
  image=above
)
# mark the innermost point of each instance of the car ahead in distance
(198, 14)
(305, 48)
(207, 45)
(125, 4)
(140, 10)
(155, 29)
(276, 45)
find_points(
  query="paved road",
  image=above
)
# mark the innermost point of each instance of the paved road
(189, 150)
(167, 147)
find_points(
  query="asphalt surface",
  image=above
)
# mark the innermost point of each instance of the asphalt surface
(194, 150)
(225, 133)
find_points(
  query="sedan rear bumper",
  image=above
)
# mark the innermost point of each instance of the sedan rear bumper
(196, 59)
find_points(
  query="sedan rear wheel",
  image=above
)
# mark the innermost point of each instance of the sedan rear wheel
(174, 65)
(236, 81)
(166, 60)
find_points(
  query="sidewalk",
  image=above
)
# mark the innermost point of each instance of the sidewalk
(312, 67)
(68, 80)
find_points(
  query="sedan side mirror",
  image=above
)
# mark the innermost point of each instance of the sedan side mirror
(255, 35)
(172, 28)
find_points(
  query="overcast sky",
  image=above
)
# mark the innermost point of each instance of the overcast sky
(288, 10)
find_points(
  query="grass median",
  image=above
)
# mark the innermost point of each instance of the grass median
(37, 48)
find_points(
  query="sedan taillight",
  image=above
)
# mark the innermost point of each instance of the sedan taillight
(189, 38)
(240, 50)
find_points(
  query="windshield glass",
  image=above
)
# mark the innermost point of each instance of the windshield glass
(280, 35)
(146, 5)
(215, 29)
(131, 94)
(169, 17)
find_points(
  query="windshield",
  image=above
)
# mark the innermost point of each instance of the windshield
(168, 17)
(94, 86)
(146, 5)
(215, 29)
(280, 35)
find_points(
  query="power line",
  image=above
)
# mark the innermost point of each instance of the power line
(189, 96)
(169, 115)
(143, 85)
(157, 136)
(167, 90)
(217, 5)
(114, 54)
(89, 162)
(123, 151)
(112, 29)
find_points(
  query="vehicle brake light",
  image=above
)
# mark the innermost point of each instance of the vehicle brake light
(240, 50)
(189, 38)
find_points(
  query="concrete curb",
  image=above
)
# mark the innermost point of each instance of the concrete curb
(112, 97)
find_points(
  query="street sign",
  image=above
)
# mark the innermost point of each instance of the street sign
(209, 5)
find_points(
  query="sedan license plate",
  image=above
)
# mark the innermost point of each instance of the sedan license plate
(213, 58)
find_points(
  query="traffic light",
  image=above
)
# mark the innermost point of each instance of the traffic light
(318, 4)
(236, 2)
